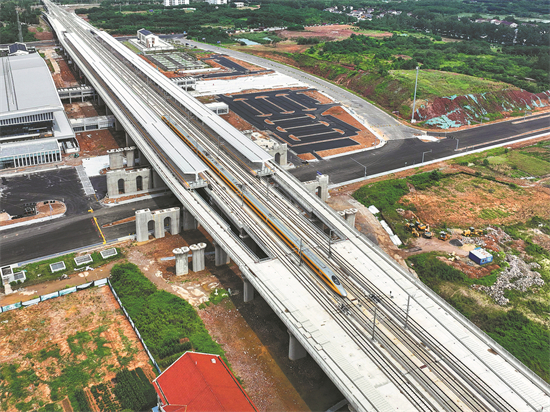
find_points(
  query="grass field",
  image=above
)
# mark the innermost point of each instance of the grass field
(131, 47)
(434, 83)
(62, 347)
(39, 272)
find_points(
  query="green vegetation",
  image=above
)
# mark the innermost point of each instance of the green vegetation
(168, 324)
(385, 195)
(39, 272)
(207, 21)
(104, 398)
(79, 402)
(440, 83)
(134, 391)
(66, 375)
(132, 47)
(216, 297)
(8, 20)
(474, 58)
(525, 338)
(531, 161)
(262, 37)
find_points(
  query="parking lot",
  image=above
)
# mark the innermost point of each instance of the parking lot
(235, 69)
(295, 118)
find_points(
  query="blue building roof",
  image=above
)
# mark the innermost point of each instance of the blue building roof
(144, 32)
(12, 48)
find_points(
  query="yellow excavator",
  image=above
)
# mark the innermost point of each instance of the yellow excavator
(444, 236)
(421, 226)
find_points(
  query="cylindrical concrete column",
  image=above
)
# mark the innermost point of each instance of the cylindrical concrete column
(221, 256)
(295, 349)
(342, 213)
(188, 221)
(248, 291)
(350, 216)
(182, 263)
(198, 256)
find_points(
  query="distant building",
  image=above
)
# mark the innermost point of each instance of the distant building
(33, 125)
(17, 49)
(238, 4)
(169, 3)
(148, 39)
(198, 382)
(480, 256)
(216, 2)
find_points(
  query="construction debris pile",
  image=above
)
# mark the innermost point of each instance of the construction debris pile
(519, 270)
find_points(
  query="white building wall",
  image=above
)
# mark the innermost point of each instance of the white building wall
(169, 3)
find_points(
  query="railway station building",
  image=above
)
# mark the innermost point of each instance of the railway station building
(34, 128)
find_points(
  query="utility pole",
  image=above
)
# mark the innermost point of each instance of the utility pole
(360, 164)
(407, 318)
(330, 244)
(423, 153)
(414, 101)
(374, 321)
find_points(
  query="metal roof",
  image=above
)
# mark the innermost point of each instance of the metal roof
(9, 150)
(183, 156)
(144, 32)
(232, 137)
(26, 83)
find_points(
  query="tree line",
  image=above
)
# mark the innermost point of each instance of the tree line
(524, 67)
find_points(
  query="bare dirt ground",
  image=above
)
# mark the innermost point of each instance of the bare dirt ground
(96, 142)
(238, 122)
(329, 32)
(479, 202)
(77, 110)
(48, 325)
(44, 35)
(63, 76)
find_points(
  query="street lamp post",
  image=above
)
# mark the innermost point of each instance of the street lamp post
(423, 153)
(360, 164)
(456, 145)
(414, 101)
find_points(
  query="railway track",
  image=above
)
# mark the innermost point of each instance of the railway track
(454, 387)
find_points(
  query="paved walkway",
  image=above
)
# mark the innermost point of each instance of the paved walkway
(384, 125)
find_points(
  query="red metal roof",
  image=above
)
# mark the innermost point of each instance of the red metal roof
(199, 382)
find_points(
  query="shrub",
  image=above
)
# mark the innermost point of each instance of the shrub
(163, 320)
(134, 391)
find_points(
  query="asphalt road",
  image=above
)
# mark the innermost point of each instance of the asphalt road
(404, 153)
(71, 232)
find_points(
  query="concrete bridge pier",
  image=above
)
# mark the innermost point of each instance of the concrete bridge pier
(198, 256)
(350, 216)
(142, 230)
(130, 153)
(221, 257)
(248, 291)
(182, 263)
(342, 213)
(116, 158)
(295, 349)
(188, 221)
